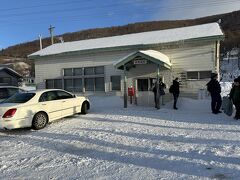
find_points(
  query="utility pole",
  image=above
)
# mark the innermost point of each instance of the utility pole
(51, 28)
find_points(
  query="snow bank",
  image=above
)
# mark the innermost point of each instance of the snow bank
(112, 142)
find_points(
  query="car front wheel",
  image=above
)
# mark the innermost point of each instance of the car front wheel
(39, 121)
(84, 109)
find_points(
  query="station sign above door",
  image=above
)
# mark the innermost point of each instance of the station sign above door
(140, 61)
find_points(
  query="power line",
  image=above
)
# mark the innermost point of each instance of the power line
(42, 5)
(117, 5)
(115, 13)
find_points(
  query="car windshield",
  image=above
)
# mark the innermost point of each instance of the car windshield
(19, 98)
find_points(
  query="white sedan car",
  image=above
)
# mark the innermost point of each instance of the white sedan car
(35, 109)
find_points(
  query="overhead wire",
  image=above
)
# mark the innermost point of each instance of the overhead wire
(42, 5)
(92, 14)
(88, 8)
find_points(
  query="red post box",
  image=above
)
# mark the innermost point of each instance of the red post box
(131, 91)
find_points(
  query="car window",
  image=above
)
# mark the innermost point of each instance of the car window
(3, 93)
(48, 96)
(21, 90)
(19, 98)
(43, 97)
(12, 91)
(64, 95)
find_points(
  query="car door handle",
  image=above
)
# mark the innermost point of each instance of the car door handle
(63, 101)
(44, 104)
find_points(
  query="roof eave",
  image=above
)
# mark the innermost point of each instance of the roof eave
(132, 47)
(121, 63)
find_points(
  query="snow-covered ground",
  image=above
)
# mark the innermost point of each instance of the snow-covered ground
(134, 143)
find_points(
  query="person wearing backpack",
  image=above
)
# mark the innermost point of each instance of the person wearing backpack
(174, 89)
(214, 89)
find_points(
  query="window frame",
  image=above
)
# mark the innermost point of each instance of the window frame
(111, 80)
(53, 83)
(59, 97)
(96, 72)
(199, 78)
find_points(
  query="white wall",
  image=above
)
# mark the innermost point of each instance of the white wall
(51, 67)
(184, 58)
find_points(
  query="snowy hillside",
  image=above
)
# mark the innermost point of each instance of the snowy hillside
(134, 143)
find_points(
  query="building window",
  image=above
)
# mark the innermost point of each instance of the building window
(57, 83)
(116, 83)
(99, 84)
(89, 71)
(77, 71)
(77, 84)
(205, 74)
(142, 84)
(192, 75)
(197, 75)
(53, 84)
(49, 84)
(90, 78)
(99, 70)
(68, 72)
(68, 84)
(89, 84)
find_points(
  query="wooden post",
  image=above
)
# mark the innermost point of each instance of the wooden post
(217, 57)
(157, 88)
(125, 87)
(135, 87)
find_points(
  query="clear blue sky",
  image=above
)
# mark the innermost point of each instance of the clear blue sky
(24, 20)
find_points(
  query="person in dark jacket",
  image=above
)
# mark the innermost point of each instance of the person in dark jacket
(214, 89)
(175, 91)
(235, 97)
(162, 86)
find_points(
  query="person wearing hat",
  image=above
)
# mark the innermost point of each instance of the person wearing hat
(235, 97)
(214, 89)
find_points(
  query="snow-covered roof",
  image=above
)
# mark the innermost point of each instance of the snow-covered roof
(11, 71)
(152, 55)
(143, 38)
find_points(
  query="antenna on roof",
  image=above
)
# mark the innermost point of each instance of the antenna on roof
(51, 28)
(40, 41)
